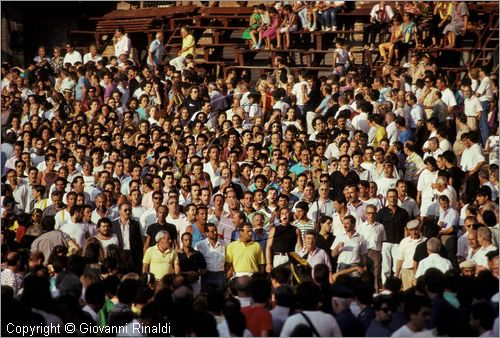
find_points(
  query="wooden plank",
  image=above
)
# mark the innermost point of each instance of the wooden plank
(225, 10)
(151, 12)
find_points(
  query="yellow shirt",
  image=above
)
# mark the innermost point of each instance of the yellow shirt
(379, 135)
(160, 263)
(186, 42)
(244, 258)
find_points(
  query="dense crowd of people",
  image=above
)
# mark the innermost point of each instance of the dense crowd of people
(292, 205)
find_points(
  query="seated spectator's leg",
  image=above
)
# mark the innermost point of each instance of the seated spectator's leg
(178, 62)
(287, 38)
(383, 47)
(303, 18)
(278, 40)
(315, 18)
(374, 32)
(366, 34)
(333, 16)
(323, 20)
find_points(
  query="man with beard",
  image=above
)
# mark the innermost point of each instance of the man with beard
(74, 227)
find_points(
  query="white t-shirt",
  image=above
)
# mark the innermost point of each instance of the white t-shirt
(107, 242)
(77, 231)
(448, 97)
(471, 157)
(324, 323)
(297, 91)
(72, 57)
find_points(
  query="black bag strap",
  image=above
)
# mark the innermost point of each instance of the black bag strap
(315, 332)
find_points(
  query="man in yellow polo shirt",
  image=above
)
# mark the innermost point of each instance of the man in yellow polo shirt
(161, 259)
(244, 257)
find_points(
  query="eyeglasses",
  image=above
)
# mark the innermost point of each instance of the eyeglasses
(324, 181)
(126, 210)
(386, 309)
(157, 198)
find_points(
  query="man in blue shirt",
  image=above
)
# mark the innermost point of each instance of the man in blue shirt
(156, 51)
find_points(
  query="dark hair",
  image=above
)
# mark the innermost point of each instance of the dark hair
(308, 296)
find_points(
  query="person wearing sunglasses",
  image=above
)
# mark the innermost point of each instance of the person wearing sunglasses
(379, 326)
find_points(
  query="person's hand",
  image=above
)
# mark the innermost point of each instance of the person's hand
(339, 246)
(269, 267)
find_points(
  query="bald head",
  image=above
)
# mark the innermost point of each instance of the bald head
(13, 259)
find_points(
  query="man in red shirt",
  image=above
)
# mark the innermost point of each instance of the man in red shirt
(259, 320)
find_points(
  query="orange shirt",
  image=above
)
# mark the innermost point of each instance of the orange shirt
(258, 320)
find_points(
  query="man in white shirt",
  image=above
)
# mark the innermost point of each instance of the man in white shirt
(405, 201)
(121, 42)
(309, 296)
(387, 181)
(485, 94)
(392, 128)
(350, 247)
(64, 216)
(360, 121)
(72, 56)
(75, 228)
(407, 247)
(434, 260)
(374, 234)
(447, 95)
(484, 239)
(323, 205)
(472, 158)
(92, 55)
(213, 250)
(472, 108)
(300, 90)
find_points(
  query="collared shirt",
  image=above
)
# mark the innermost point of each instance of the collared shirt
(157, 49)
(433, 261)
(62, 217)
(317, 256)
(472, 106)
(214, 255)
(485, 89)
(160, 263)
(319, 208)
(125, 235)
(338, 225)
(338, 181)
(374, 234)
(411, 207)
(244, 258)
(414, 166)
(416, 114)
(394, 223)
(480, 256)
(354, 247)
(123, 46)
(407, 250)
(471, 157)
(449, 217)
(359, 210)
